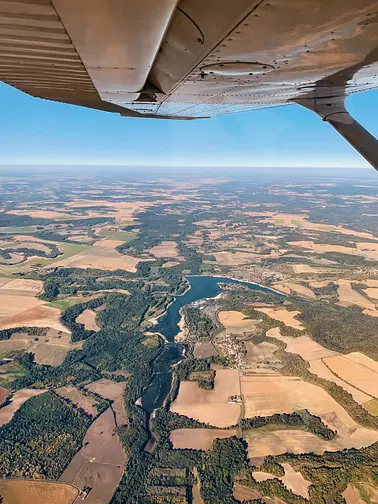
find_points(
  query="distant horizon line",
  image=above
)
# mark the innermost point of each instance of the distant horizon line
(105, 165)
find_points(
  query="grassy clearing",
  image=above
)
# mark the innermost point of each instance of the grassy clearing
(372, 406)
(9, 373)
(363, 494)
(151, 342)
(63, 304)
(20, 229)
(129, 223)
(69, 250)
(13, 368)
(124, 236)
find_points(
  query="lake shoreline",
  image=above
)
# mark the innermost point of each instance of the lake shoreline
(200, 287)
(243, 281)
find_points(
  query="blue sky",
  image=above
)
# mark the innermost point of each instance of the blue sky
(34, 131)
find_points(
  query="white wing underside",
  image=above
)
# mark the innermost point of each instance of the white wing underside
(188, 59)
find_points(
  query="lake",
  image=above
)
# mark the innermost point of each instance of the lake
(201, 287)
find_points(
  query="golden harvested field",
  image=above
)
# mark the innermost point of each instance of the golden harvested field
(210, 406)
(234, 259)
(352, 496)
(242, 493)
(348, 296)
(42, 214)
(302, 290)
(14, 259)
(322, 248)
(304, 346)
(367, 246)
(17, 400)
(362, 376)
(82, 239)
(170, 264)
(100, 462)
(3, 394)
(295, 482)
(267, 395)
(122, 211)
(262, 476)
(204, 350)
(102, 258)
(198, 439)
(318, 284)
(283, 315)
(371, 292)
(30, 244)
(236, 322)
(108, 243)
(301, 221)
(38, 492)
(20, 287)
(266, 441)
(165, 249)
(205, 223)
(20, 237)
(371, 282)
(109, 389)
(50, 349)
(314, 354)
(16, 312)
(19, 306)
(86, 402)
(11, 305)
(320, 369)
(306, 268)
(88, 319)
(363, 360)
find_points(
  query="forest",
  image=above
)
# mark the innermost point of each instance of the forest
(341, 329)
(299, 419)
(41, 439)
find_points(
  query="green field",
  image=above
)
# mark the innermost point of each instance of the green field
(15, 230)
(130, 223)
(69, 250)
(124, 236)
(372, 406)
(63, 304)
(9, 373)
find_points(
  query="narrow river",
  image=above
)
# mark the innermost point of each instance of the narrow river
(201, 287)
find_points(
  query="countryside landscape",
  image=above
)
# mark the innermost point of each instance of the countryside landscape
(189, 340)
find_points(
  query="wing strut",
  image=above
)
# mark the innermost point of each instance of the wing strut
(334, 112)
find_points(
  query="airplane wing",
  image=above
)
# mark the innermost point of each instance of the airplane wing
(193, 59)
